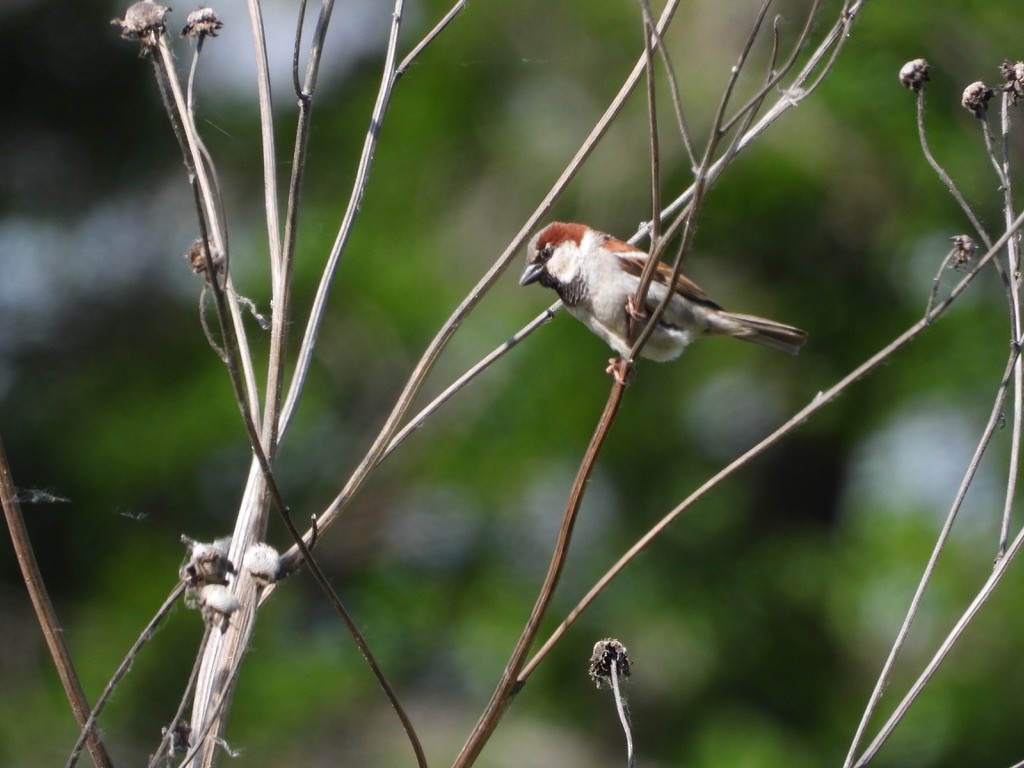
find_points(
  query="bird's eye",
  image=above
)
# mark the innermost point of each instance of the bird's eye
(545, 253)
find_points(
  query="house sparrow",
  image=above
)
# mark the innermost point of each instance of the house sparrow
(596, 276)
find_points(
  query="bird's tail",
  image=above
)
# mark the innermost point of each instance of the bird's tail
(767, 333)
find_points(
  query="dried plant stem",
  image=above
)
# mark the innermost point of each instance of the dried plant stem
(389, 78)
(620, 707)
(186, 697)
(259, 42)
(206, 735)
(673, 82)
(429, 37)
(793, 95)
(122, 670)
(652, 124)
(193, 157)
(416, 421)
(819, 402)
(1001, 566)
(947, 527)
(775, 76)
(954, 190)
(46, 615)
(1013, 268)
(224, 651)
(638, 300)
(509, 683)
(305, 355)
(282, 307)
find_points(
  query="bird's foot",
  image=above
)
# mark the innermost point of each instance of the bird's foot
(622, 370)
(639, 315)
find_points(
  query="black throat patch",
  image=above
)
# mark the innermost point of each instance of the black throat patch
(571, 293)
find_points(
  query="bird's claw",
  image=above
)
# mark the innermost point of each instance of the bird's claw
(621, 370)
(636, 314)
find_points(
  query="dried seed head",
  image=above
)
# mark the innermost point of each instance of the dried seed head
(216, 603)
(976, 98)
(263, 562)
(201, 22)
(1013, 74)
(601, 667)
(181, 737)
(207, 563)
(914, 74)
(963, 251)
(196, 256)
(144, 22)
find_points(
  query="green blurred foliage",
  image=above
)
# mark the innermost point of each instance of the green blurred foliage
(758, 622)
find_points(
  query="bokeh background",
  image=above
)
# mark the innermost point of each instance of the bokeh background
(757, 623)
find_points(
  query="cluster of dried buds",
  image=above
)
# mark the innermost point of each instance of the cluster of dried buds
(144, 21)
(914, 74)
(208, 572)
(1013, 74)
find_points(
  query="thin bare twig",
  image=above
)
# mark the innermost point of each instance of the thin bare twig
(416, 421)
(633, 327)
(798, 90)
(282, 306)
(688, 216)
(652, 124)
(620, 707)
(1013, 269)
(673, 82)
(305, 355)
(259, 42)
(954, 190)
(145, 636)
(509, 683)
(429, 37)
(45, 613)
(167, 742)
(181, 117)
(776, 76)
(1001, 566)
(929, 569)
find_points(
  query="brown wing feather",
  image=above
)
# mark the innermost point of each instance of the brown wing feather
(633, 261)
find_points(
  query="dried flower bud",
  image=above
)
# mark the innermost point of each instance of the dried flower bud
(196, 256)
(181, 737)
(144, 22)
(601, 661)
(263, 562)
(963, 251)
(207, 563)
(976, 98)
(201, 22)
(914, 74)
(216, 603)
(1013, 74)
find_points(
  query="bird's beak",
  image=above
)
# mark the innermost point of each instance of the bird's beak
(531, 274)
